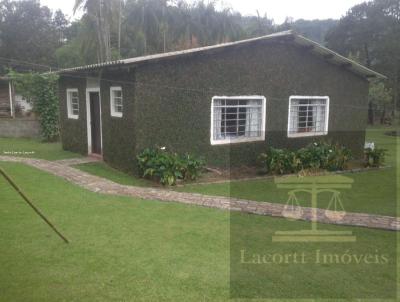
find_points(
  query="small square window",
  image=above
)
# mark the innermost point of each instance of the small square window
(116, 101)
(73, 103)
(237, 119)
(308, 116)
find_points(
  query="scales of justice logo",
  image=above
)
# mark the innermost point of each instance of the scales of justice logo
(314, 186)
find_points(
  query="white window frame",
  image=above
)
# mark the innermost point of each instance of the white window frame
(242, 139)
(70, 113)
(112, 101)
(305, 134)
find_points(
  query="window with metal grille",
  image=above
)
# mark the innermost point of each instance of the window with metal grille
(73, 103)
(237, 119)
(116, 101)
(308, 116)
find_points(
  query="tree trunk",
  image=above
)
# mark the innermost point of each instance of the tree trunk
(119, 28)
(165, 42)
(367, 57)
(396, 87)
(99, 24)
(383, 115)
(370, 114)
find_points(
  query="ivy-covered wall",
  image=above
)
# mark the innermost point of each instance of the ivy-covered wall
(168, 103)
(175, 99)
(118, 136)
(119, 133)
(73, 132)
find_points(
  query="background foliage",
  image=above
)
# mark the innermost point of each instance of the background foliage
(112, 29)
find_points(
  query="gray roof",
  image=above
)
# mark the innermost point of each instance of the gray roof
(314, 47)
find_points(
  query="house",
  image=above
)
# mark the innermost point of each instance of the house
(16, 118)
(227, 102)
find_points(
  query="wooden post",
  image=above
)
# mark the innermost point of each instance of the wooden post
(30, 203)
(11, 96)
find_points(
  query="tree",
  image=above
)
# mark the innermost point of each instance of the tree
(28, 32)
(379, 97)
(102, 14)
(371, 31)
(80, 47)
(315, 30)
(60, 24)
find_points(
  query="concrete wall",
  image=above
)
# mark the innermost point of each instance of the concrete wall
(19, 127)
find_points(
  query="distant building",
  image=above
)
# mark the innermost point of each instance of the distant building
(12, 104)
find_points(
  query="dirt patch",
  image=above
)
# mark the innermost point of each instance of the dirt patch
(215, 175)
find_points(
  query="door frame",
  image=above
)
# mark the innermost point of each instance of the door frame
(89, 119)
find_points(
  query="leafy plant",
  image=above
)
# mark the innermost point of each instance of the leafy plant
(279, 161)
(324, 155)
(374, 157)
(41, 91)
(167, 167)
(318, 155)
(338, 158)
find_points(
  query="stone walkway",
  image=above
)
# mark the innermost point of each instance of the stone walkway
(77, 161)
(104, 186)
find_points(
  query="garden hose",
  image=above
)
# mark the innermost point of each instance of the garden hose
(29, 202)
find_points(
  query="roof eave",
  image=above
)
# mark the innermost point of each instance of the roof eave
(338, 59)
(317, 48)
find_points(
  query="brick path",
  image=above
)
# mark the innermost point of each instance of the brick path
(104, 186)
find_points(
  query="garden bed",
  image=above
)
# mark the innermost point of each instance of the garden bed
(245, 173)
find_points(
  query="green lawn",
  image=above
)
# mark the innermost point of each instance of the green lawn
(371, 192)
(33, 148)
(125, 249)
(101, 169)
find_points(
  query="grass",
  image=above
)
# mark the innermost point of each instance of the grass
(372, 191)
(130, 249)
(34, 148)
(368, 188)
(101, 169)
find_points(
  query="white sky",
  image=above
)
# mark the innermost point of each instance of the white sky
(275, 9)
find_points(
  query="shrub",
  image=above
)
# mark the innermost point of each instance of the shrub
(318, 155)
(42, 92)
(338, 158)
(374, 157)
(324, 155)
(279, 161)
(167, 167)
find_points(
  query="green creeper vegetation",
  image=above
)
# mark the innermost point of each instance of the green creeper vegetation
(42, 92)
(129, 249)
(33, 148)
